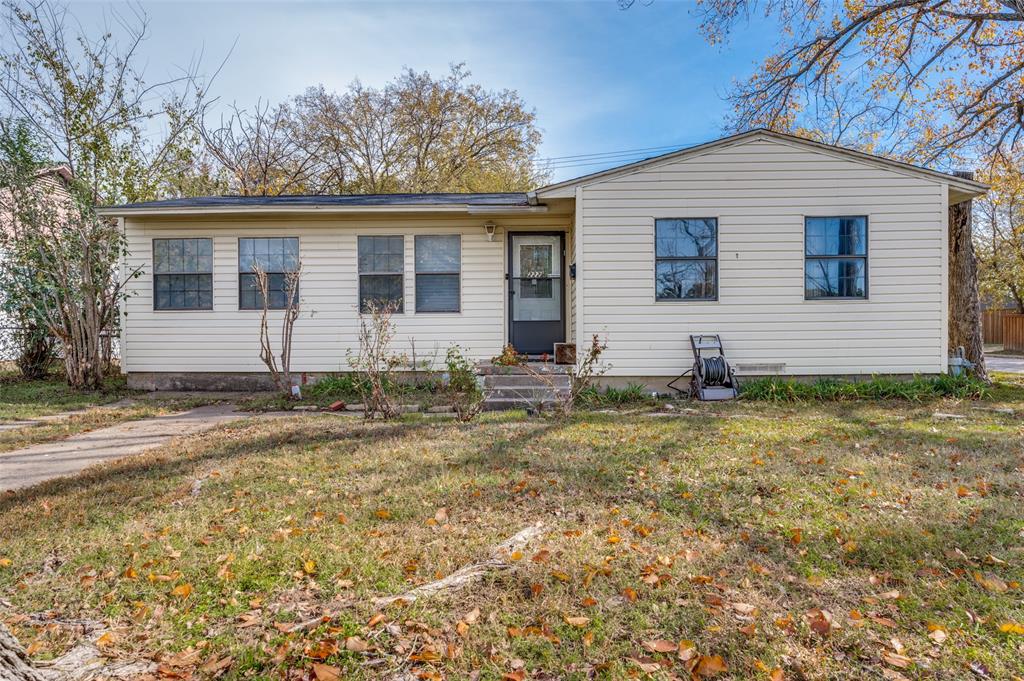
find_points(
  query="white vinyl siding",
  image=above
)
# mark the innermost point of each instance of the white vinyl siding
(227, 339)
(761, 191)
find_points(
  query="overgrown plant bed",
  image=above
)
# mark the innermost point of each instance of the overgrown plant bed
(815, 541)
(426, 392)
(918, 388)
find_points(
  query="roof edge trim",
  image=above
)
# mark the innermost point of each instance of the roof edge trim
(970, 186)
(318, 209)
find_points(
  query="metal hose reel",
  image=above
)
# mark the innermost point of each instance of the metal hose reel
(714, 371)
(711, 377)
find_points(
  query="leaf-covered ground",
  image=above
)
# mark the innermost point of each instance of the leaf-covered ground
(826, 541)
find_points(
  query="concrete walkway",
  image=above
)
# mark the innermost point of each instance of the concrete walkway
(61, 416)
(1014, 365)
(32, 465)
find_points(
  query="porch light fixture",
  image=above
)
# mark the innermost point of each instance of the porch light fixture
(489, 227)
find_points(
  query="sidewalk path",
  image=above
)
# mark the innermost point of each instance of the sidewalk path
(61, 416)
(32, 465)
(1013, 365)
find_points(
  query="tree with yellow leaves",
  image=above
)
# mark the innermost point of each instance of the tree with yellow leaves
(936, 79)
(999, 233)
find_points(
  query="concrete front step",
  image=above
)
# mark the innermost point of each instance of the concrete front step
(487, 369)
(556, 381)
(520, 387)
(532, 394)
(506, 404)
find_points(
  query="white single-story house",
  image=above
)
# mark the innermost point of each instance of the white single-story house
(807, 259)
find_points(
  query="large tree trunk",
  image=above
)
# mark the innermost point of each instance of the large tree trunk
(14, 663)
(964, 303)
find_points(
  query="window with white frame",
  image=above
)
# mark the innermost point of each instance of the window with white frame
(381, 272)
(686, 258)
(182, 274)
(278, 257)
(438, 270)
(835, 257)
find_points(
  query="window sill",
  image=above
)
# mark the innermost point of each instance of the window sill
(838, 299)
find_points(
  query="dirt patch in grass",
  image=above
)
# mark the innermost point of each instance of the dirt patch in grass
(829, 541)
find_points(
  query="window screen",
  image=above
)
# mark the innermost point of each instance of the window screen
(438, 264)
(381, 266)
(835, 257)
(277, 256)
(183, 274)
(686, 259)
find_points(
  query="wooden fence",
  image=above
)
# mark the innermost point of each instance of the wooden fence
(992, 325)
(1013, 332)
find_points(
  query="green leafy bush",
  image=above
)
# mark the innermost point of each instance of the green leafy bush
(633, 393)
(466, 396)
(339, 386)
(919, 388)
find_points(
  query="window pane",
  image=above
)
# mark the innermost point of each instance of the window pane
(160, 262)
(176, 254)
(183, 292)
(277, 254)
(834, 278)
(381, 254)
(535, 261)
(535, 288)
(437, 293)
(190, 255)
(438, 253)
(686, 279)
(182, 256)
(290, 255)
(536, 300)
(249, 297)
(836, 236)
(686, 238)
(382, 289)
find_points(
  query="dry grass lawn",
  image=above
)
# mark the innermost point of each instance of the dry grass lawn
(851, 540)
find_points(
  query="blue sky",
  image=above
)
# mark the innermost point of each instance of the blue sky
(601, 79)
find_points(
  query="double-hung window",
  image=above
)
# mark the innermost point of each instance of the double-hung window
(381, 268)
(438, 268)
(835, 257)
(686, 259)
(183, 274)
(278, 257)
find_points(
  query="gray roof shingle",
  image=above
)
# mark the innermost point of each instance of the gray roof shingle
(305, 201)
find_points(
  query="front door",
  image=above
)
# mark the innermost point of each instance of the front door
(535, 306)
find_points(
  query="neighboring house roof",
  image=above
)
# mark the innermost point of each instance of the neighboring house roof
(964, 188)
(53, 182)
(62, 171)
(473, 203)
